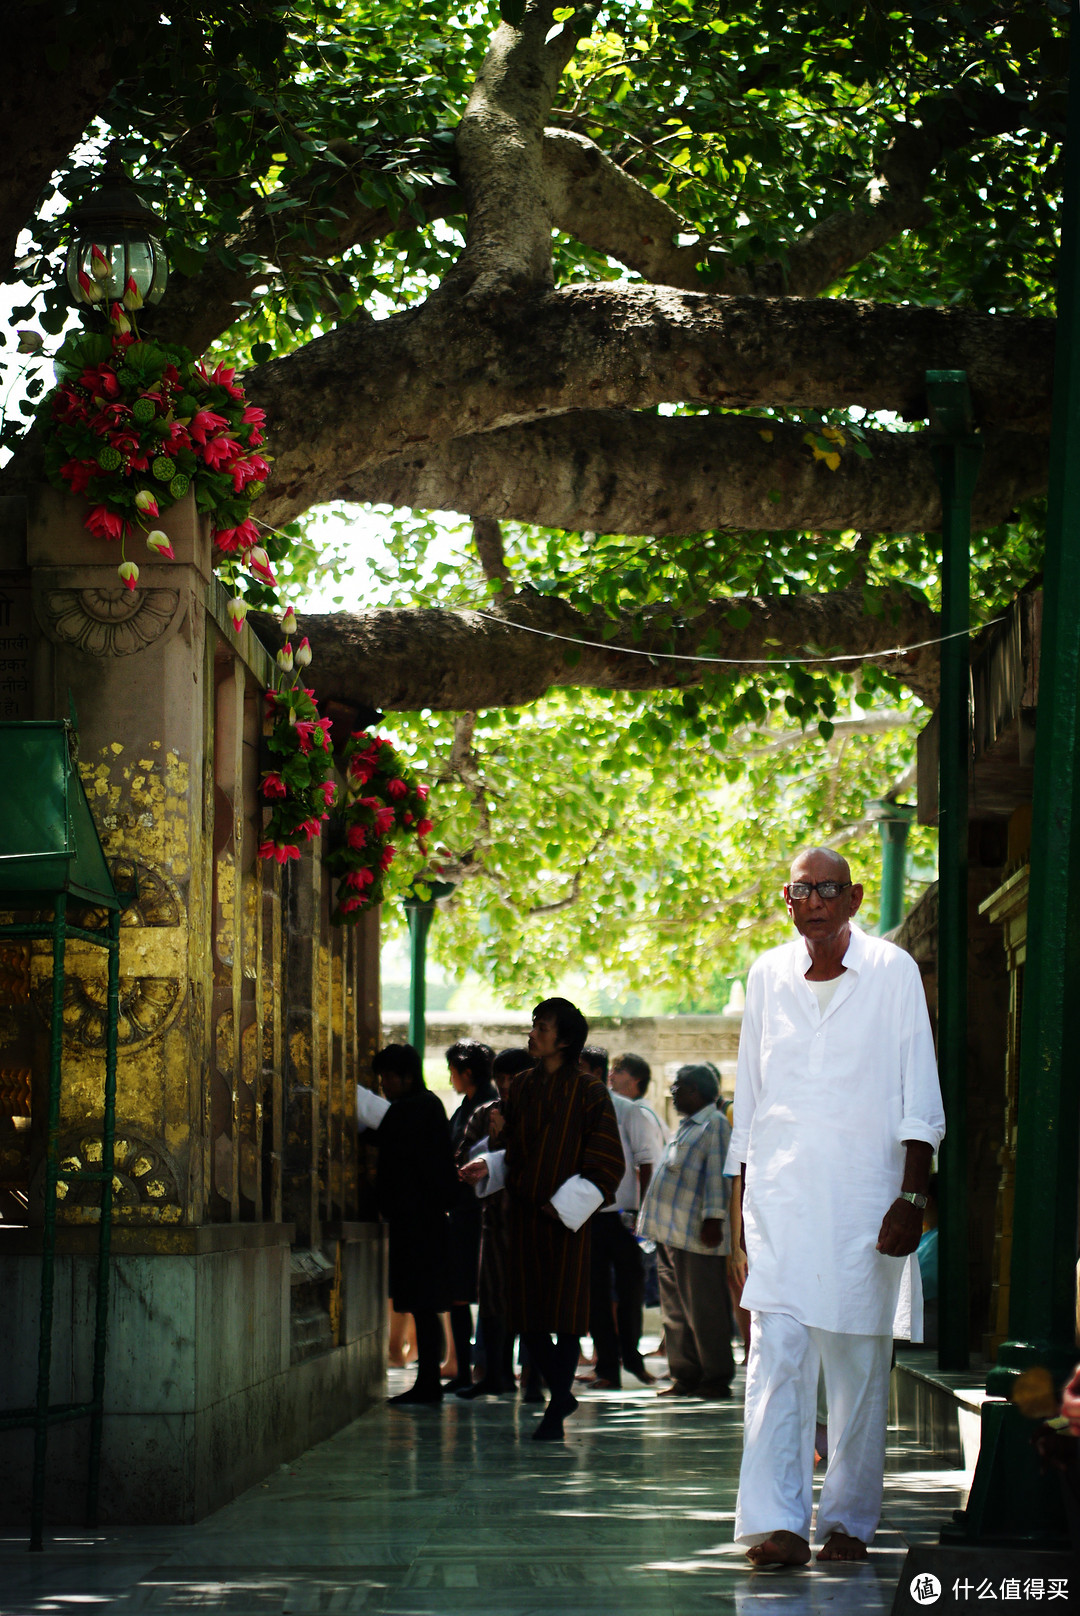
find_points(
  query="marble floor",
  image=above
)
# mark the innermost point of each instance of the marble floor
(435, 1512)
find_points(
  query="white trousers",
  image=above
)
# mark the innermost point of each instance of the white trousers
(776, 1481)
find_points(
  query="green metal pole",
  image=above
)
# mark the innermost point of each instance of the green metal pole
(48, 1232)
(957, 454)
(893, 821)
(1010, 1500)
(420, 918)
(108, 1135)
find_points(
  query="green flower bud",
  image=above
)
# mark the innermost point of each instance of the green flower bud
(108, 458)
(128, 377)
(143, 410)
(179, 485)
(163, 469)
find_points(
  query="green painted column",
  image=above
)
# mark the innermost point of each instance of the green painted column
(893, 823)
(420, 916)
(1010, 1500)
(420, 912)
(957, 454)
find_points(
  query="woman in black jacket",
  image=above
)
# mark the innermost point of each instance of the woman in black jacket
(415, 1185)
(469, 1063)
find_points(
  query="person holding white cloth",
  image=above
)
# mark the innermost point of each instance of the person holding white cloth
(837, 1117)
(562, 1160)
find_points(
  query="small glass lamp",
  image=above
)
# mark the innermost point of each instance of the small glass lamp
(113, 244)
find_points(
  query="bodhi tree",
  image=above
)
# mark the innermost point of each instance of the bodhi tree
(646, 292)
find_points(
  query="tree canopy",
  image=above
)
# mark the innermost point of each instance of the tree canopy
(645, 292)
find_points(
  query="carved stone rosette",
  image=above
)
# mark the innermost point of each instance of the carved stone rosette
(108, 622)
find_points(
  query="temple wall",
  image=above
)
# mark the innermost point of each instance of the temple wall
(246, 1297)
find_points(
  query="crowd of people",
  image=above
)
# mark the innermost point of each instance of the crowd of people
(555, 1196)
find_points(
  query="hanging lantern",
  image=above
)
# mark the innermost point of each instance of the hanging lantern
(114, 255)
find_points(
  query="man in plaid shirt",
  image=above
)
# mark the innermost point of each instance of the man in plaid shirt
(685, 1212)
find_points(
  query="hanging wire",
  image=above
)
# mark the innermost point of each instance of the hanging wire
(734, 662)
(681, 656)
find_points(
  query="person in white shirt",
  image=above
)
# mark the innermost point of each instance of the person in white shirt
(685, 1212)
(837, 1116)
(615, 1252)
(630, 1076)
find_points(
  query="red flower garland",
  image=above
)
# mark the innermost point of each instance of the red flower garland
(384, 804)
(132, 425)
(301, 792)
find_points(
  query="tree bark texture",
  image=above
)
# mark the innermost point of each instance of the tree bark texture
(367, 392)
(499, 146)
(457, 661)
(615, 471)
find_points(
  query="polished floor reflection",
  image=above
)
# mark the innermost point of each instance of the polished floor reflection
(436, 1512)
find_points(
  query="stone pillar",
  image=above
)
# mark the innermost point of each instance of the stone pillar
(230, 1349)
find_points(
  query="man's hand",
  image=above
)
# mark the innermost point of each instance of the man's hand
(712, 1231)
(473, 1172)
(901, 1229)
(496, 1124)
(737, 1268)
(548, 1211)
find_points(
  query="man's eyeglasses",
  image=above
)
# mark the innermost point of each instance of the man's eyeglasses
(799, 891)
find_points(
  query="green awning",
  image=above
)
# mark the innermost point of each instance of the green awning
(48, 840)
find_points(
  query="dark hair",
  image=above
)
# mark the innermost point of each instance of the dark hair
(636, 1067)
(509, 1062)
(401, 1060)
(596, 1059)
(571, 1028)
(473, 1057)
(700, 1078)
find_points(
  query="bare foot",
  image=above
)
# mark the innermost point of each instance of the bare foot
(838, 1546)
(782, 1548)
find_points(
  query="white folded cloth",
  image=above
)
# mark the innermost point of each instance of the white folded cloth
(496, 1166)
(370, 1107)
(576, 1201)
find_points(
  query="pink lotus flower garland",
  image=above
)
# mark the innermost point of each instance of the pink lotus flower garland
(300, 791)
(132, 425)
(384, 804)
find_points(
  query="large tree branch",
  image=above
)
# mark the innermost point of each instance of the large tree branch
(585, 194)
(367, 392)
(462, 661)
(500, 158)
(599, 203)
(615, 471)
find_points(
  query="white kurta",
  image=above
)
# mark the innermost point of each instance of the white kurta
(823, 1104)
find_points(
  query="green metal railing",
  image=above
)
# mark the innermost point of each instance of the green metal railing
(49, 853)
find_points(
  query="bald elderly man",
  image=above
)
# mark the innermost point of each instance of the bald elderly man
(837, 1117)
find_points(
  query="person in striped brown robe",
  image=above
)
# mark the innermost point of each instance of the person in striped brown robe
(561, 1159)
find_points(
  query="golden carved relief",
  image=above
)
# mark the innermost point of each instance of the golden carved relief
(145, 1182)
(107, 622)
(148, 1007)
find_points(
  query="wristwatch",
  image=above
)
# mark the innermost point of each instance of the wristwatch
(914, 1197)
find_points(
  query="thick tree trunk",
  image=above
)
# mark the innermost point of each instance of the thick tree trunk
(458, 661)
(614, 471)
(367, 392)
